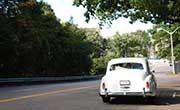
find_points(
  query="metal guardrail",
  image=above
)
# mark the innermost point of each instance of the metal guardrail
(44, 79)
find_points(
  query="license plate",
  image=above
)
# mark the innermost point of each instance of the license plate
(124, 82)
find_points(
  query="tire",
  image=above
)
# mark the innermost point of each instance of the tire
(106, 99)
(151, 99)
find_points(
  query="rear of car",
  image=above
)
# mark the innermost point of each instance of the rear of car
(127, 77)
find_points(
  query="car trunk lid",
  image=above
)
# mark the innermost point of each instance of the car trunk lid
(126, 80)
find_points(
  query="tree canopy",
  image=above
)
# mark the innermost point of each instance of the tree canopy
(33, 42)
(134, 44)
(162, 41)
(155, 11)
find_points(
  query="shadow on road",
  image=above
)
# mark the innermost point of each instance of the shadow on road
(164, 97)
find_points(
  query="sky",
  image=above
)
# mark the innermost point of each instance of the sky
(64, 10)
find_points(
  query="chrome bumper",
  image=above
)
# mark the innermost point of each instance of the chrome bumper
(116, 94)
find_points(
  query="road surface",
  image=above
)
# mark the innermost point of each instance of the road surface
(84, 96)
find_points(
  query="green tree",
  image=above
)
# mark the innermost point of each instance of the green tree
(32, 28)
(8, 40)
(35, 43)
(98, 46)
(9, 8)
(130, 45)
(77, 50)
(162, 41)
(156, 11)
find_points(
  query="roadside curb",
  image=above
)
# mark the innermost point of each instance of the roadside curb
(35, 80)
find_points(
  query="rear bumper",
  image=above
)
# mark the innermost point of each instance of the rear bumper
(118, 94)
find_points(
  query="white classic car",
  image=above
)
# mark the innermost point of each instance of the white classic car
(128, 77)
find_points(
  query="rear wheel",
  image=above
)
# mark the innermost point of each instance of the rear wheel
(106, 99)
(150, 99)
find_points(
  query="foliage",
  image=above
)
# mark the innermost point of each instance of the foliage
(162, 41)
(130, 45)
(99, 50)
(34, 43)
(9, 8)
(156, 11)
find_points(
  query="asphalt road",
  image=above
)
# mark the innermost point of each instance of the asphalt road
(84, 96)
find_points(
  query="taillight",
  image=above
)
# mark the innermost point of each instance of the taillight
(103, 86)
(147, 85)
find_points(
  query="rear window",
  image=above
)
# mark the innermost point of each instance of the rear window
(120, 66)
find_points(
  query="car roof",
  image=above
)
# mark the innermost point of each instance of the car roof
(128, 59)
